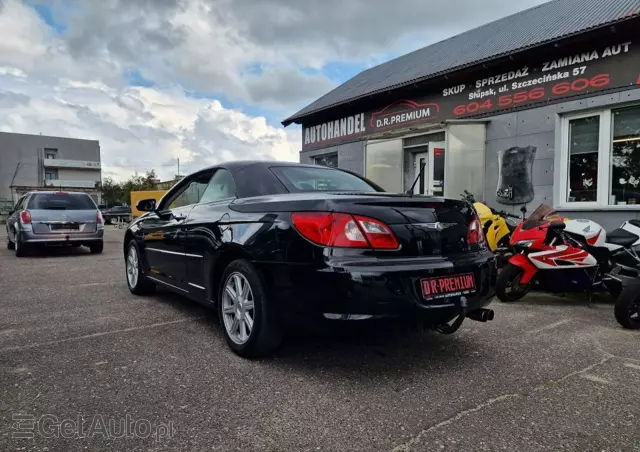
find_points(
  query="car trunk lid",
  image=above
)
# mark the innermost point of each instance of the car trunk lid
(424, 226)
(69, 222)
(61, 212)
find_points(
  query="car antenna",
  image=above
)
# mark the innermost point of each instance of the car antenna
(410, 191)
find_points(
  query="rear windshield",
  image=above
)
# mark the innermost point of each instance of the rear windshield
(61, 201)
(299, 179)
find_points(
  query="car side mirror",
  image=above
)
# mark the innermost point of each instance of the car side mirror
(146, 205)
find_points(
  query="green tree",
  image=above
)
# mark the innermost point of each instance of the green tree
(116, 193)
(112, 193)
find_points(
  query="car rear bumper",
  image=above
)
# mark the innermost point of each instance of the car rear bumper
(376, 287)
(62, 238)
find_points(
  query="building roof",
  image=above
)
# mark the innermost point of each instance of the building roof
(540, 25)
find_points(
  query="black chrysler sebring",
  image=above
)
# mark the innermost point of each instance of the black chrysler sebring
(267, 242)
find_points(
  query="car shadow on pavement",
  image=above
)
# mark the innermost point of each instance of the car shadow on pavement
(348, 348)
(57, 251)
(570, 299)
(184, 305)
(371, 349)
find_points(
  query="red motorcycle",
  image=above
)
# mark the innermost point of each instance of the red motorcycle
(554, 254)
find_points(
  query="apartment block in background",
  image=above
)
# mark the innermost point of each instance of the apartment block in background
(38, 162)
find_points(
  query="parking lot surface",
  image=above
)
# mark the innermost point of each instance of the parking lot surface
(80, 355)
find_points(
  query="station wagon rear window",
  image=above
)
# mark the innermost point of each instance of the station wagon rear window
(61, 201)
(301, 179)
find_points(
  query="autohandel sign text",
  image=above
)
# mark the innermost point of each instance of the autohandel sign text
(334, 130)
(551, 79)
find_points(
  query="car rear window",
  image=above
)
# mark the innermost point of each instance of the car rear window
(61, 201)
(301, 179)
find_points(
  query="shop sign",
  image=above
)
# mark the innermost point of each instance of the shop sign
(342, 129)
(554, 79)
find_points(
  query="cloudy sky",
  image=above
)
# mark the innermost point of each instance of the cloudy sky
(200, 80)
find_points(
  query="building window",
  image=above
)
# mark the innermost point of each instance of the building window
(384, 164)
(50, 175)
(625, 157)
(584, 136)
(601, 158)
(327, 160)
(50, 153)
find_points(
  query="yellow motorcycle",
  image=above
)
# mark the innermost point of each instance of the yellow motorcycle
(497, 227)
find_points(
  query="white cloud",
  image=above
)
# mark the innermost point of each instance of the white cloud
(143, 128)
(138, 128)
(215, 45)
(72, 84)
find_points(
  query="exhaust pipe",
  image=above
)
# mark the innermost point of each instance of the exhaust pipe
(481, 315)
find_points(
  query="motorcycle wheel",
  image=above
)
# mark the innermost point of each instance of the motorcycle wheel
(627, 309)
(508, 288)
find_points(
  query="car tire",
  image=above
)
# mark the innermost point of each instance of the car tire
(96, 248)
(507, 276)
(254, 313)
(136, 280)
(10, 245)
(628, 305)
(19, 248)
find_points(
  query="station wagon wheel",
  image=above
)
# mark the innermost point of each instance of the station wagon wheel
(20, 248)
(249, 319)
(10, 244)
(238, 308)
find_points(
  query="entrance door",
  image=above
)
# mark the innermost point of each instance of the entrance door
(421, 166)
(431, 181)
(436, 152)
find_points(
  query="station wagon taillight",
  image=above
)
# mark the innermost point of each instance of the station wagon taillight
(25, 217)
(343, 230)
(100, 219)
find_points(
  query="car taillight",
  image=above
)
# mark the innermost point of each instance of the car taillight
(100, 219)
(25, 217)
(475, 235)
(343, 230)
(378, 233)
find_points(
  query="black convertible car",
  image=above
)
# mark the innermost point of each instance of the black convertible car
(266, 242)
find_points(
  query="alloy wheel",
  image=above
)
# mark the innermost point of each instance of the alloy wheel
(132, 267)
(238, 309)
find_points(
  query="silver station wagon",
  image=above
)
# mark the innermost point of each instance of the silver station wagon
(43, 218)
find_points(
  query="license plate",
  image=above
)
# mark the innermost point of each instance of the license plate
(65, 227)
(448, 286)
